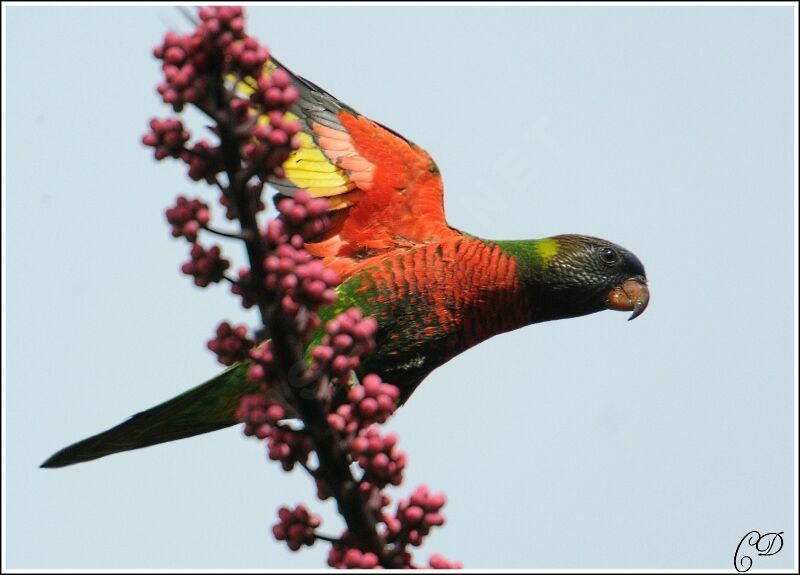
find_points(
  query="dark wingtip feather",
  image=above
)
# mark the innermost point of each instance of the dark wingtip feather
(59, 459)
(85, 450)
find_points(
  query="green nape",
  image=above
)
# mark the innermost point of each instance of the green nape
(534, 255)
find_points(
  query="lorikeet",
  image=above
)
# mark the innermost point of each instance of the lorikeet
(434, 290)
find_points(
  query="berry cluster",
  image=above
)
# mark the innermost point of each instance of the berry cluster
(374, 401)
(302, 215)
(205, 266)
(261, 417)
(341, 557)
(262, 361)
(231, 344)
(304, 282)
(296, 527)
(376, 455)
(216, 57)
(438, 561)
(248, 56)
(189, 60)
(271, 145)
(187, 217)
(275, 91)
(371, 402)
(288, 447)
(221, 25)
(168, 137)
(204, 161)
(259, 414)
(347, 338)
(415, 516)
(182, 83)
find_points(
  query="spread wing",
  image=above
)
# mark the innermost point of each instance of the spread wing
(385, 191)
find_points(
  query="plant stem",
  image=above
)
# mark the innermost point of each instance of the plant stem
(289, 347)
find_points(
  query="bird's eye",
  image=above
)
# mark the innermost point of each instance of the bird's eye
(608, 255)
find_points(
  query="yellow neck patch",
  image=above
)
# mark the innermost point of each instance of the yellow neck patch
(546, 249)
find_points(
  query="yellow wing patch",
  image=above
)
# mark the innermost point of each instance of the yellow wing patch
(326, 163)
(309, 168)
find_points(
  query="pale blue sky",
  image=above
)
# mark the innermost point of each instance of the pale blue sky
(592, 442)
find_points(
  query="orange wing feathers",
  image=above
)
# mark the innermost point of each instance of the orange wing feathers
(385, 192)
(404, 201)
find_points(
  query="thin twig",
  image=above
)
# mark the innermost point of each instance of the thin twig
(328, 538)
(232, 235)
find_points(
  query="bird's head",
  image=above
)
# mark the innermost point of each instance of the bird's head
(579, 275)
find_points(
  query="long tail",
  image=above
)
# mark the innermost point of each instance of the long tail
(207, 407)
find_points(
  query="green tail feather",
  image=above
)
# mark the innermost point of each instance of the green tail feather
(207, 407)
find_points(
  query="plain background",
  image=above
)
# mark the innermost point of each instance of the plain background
(592, 442)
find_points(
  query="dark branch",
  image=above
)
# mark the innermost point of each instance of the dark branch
(289, 347)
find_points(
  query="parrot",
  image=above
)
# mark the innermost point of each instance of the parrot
(433, 290)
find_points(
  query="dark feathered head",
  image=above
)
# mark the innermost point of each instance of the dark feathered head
(579, 275)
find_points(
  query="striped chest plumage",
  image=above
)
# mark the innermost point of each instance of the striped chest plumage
(434, 301)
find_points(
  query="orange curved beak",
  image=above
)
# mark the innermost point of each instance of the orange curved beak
(631, 295)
